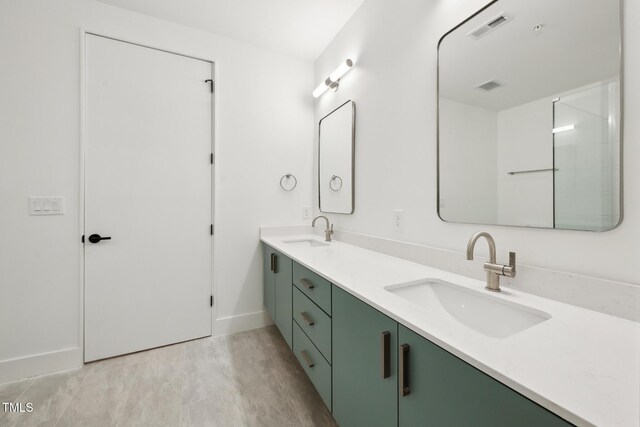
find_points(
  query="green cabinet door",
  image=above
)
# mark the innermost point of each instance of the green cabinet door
(269, 280)
(364, 344)
(446, 391)
(284, 296)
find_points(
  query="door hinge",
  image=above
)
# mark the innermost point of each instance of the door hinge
(211, 84)
(212, 158)
(211, 229)
(211, 301)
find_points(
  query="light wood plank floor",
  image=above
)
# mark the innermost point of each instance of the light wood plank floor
(245, 379)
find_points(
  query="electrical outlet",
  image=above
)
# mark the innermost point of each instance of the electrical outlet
(306, 212)
(398, 219)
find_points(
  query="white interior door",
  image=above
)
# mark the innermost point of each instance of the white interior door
(147, 187)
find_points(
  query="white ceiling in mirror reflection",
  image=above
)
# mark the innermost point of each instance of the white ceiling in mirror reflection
(579, 44)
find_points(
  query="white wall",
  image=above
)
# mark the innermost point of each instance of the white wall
(264, 128)
(394, 85)
(467, 192)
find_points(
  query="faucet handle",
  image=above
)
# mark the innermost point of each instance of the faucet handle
(510, 270)
(328, 232)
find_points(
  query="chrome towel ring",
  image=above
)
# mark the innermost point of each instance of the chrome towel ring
(288, 182)
(335, 183)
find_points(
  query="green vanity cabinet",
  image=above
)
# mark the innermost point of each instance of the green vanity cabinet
(442, 390)
(284, 297)
(269, 282)
(278, 297)
(314, 322)
(314, 286)
(313, 362)
(364, 362)
(372, 371)
(424, 386)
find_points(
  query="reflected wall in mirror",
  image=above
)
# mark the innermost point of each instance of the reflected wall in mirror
(336, 159)
(529, 117)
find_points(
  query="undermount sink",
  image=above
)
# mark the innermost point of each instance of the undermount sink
(485, 314)
(307, 243)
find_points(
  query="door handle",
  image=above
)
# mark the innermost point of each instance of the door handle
(95, 238)
(272, 262)
(404, 370)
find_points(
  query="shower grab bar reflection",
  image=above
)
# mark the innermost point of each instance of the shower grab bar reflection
(532, 171)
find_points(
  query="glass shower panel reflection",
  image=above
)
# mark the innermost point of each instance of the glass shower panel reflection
(586, 159)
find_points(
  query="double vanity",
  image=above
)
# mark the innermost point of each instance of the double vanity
(528, 134)
(390, 342)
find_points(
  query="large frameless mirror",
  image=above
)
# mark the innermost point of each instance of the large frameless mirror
(336, 159)
(529, 116)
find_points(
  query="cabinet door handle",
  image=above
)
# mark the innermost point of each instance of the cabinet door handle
(385, 342)
(307, 283)
(275, 264)
(308, 360)
(308, 320)
(271, 268)
(404, 370)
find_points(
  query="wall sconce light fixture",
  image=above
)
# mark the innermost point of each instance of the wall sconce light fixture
(333, 80)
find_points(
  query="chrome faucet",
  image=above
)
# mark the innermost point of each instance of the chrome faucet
(494, 271)
(328, 231)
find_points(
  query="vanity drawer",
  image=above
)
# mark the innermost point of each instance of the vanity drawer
(318, 370)
(317, 288)
(313, 321)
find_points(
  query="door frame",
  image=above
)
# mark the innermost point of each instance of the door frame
(83, 142)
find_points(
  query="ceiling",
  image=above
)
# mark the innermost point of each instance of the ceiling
(298, 28)
(579, 44)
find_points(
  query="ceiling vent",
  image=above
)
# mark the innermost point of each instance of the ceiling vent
(489, 26)
(490, 85)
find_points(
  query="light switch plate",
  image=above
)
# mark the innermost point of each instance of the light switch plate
(46, 205)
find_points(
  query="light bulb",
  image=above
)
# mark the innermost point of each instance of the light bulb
(322, 88)
(341, 70)
(332, 81)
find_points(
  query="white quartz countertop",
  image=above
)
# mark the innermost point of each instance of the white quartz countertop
(580, 364)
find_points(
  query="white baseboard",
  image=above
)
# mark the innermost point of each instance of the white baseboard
(242, 322)
(71, 358)
(40, 364)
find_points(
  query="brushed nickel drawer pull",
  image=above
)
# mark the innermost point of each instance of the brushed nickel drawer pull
(307, 358)
(307, 283)
(308, 320)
